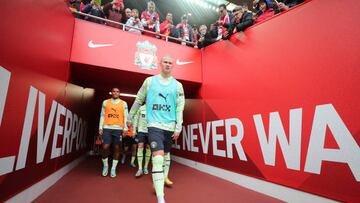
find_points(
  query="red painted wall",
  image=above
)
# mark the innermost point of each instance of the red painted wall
(35, 48)
(305, 58)
(302, 59)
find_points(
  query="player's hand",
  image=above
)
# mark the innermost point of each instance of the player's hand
(124, 134)
(175, 136)
(129, 123)
(100, 132)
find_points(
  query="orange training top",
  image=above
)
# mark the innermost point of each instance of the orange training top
(114, 113)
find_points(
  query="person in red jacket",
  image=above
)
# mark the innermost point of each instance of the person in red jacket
(166, 25)
(115, 11)
(150, 19)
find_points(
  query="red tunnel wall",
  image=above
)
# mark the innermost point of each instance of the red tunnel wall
(301, 59)
(36, 39)
(286, 63)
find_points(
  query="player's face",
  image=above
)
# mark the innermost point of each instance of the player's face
(166, 65)
(115, 93)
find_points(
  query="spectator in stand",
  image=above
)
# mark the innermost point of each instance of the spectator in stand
(275, 5)
(167, 25)
(291, 3)
(256, 4)
(282, 7)
(94, 8)
(196, 35)
(185, 31)
(128, 13)
(267, 10)
(115, 11)
(202, 34)
(167, 28)
(224, 23)
(150, 19)
(243, 19)
(214, 30)
(76, 5)
(206, 38)
(134, 21)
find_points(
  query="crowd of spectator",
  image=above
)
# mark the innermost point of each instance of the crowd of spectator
(228, 23)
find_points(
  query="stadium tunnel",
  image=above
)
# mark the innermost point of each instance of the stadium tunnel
(271, 115)
(101, 80)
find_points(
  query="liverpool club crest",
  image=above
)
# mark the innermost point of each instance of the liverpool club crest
(145, 57)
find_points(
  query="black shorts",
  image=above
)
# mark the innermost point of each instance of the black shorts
(111, 136)
(160, 139)
(142, 138)
(128, 141)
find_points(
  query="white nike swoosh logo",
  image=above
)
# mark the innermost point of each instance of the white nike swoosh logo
(180, 63)
(92, 45)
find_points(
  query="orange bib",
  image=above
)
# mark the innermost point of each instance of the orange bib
(114, 113)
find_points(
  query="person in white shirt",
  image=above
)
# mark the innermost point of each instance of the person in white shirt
(135, 22)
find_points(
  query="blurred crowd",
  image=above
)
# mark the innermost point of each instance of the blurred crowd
(148, 21)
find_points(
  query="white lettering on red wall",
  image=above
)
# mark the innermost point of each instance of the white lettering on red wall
(325, 116)
(6, 163)
(74, 129)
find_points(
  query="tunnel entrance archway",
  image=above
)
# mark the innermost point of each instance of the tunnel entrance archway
(102, 79)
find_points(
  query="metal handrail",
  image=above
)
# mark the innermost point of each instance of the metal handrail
(124, 26)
